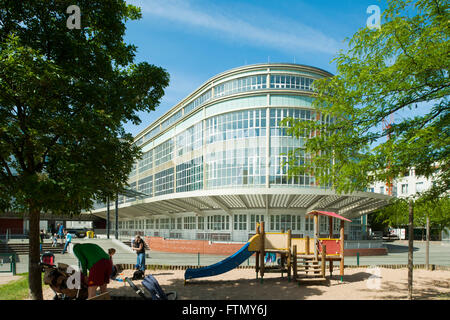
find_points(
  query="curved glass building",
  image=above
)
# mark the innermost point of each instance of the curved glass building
(212, 166)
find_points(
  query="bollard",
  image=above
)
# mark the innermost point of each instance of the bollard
(357, 259)
(13, 264)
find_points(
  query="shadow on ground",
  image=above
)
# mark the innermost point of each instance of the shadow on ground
(238, 289)
(398, 248)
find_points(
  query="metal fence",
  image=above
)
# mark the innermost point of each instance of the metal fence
(13, 234)
(8, 263)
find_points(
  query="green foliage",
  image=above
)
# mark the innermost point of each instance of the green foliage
(396, 214)
(16, 289)
(65, 95)
(403, 65)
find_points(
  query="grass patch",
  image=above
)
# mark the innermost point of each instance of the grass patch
(443, 296)
(17, 289)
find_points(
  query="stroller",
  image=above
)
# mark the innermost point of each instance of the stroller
(152, 286)
(56, 278)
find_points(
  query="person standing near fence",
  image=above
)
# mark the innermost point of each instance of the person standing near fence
(61, 233)
(139, 247)
(68, 240)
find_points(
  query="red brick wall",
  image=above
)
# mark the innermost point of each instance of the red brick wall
(366, 252)
(226, 249)
(16, 225)
(192, 246)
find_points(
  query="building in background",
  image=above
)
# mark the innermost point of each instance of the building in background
(407, 186)
(213, 165)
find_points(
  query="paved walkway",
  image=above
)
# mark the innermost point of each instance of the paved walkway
(398, 254)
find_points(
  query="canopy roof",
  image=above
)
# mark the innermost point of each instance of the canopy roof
(330, 214)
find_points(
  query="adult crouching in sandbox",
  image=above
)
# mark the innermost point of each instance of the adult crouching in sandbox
(95, 260)
(139, 247)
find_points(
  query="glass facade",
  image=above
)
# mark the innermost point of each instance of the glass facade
(189, 140)
(236, 125)
(243, 84)
(238, 165)
(235, 142)
(190, 175)
(164, 182)
(197, 102)
(146, 162)
(282, 81)
(164, 152)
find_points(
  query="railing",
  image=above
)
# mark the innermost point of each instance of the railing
(6, 258)
(13, 234)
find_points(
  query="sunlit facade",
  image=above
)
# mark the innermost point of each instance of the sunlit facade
(212, 166)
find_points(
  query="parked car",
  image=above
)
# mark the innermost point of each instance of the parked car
(79, 233)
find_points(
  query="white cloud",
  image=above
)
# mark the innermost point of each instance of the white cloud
(260, 28)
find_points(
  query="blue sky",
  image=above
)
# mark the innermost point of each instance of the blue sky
(195, 40)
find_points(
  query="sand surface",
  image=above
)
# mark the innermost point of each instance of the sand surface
(241, 284)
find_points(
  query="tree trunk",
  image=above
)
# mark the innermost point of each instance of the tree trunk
(410, 249)
(34, 270)
(427, 247)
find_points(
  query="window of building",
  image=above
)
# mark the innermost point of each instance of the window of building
(163, 152)
(254, 219)
(164, 182)
(145, 185)
(309, 223)
(197, 102)
(200, 223)
(164, 223)
(275, 222)
(240, 85)
(324, 223)
(404, 188)
(298, 224)
(286, 222)
(179, 223)
(146, 162)
(190, 175)
(218, 222)
(240, 222)
(290, 82)
(189, 223)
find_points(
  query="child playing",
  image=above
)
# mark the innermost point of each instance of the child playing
(111, 252)
(54, 240)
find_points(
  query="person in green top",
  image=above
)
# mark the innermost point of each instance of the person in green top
(95, 260)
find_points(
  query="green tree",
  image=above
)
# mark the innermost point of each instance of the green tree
(396, 214)
(389, 71)
(398, 68)
(64, 97)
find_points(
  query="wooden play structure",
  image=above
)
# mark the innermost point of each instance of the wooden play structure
(303, 259)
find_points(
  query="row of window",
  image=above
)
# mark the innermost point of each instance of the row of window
(197, 102)
(229, 126)
(291, 82)
(236, 167)
(190, 175)
(190, 139)
(236, 125)
(243, 84)
(174, 118)
(164, 152)
(404, 188)
(241, 222)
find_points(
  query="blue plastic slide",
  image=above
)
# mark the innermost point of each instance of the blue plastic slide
(221, 267)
